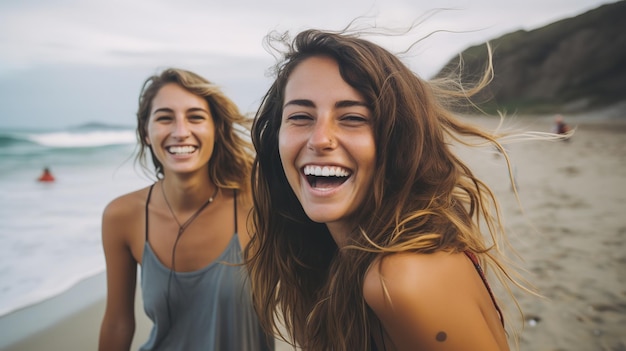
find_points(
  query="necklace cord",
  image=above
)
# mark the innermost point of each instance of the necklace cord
(181, 229)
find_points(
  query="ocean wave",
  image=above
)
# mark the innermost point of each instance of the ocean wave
(44, 291)
(10, 139)
(69, 139)
(97, 126)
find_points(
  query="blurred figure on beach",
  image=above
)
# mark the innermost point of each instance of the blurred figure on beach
(368, 225)
(186, 230)
(46, 176)
(560, 127)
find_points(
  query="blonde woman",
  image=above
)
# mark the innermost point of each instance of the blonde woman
(187, 230)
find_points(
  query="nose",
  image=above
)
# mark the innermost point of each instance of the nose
(322, 135)
(181, 129)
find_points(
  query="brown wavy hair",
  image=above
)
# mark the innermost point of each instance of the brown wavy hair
(424, 198)
(231, 162)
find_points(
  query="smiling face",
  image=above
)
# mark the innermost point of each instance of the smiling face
(180, 130)
(326, 143)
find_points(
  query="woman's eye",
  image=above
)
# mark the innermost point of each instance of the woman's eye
(163, 118)
(354, 119)
(299, 118)
(197, 118)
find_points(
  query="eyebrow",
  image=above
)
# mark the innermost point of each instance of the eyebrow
(167, 109)
(338, 104)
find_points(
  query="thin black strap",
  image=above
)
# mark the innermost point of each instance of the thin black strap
(236, 230)
(147, 202)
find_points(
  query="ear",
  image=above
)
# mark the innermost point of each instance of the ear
(146, 138)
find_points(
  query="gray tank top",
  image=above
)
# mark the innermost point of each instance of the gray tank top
(207, 309)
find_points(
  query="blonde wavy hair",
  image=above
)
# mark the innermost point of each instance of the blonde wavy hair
(424, 198)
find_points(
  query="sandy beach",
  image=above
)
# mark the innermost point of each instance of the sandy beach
(571, 235)
(570, 232)
(48, 326)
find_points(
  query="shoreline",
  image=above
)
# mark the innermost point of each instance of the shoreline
(71, 321)
(31, 319)
(43, 325)
(68, 321)
(87, 279)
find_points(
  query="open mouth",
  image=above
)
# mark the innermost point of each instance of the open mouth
(181, 150)
(326, 177)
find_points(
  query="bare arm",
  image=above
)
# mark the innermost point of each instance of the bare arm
(118, 324)
(433, 302)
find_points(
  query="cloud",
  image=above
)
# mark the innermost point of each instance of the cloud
(79, 59)
(119, 32)
(111, 34)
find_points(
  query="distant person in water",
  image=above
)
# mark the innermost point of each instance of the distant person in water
(46, 176)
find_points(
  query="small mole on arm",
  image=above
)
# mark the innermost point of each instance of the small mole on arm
(441, 336)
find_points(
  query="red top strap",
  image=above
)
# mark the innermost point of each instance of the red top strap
(479, 269)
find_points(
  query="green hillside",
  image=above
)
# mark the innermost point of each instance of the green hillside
(572, 65)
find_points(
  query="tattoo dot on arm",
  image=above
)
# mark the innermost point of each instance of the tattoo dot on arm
(441, 336)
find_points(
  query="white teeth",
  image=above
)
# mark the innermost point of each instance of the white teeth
(326, 171)
(181, 149)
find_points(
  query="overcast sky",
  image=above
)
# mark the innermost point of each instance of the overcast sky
(68, 62)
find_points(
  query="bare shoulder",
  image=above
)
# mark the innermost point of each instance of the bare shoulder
(244, 201)
(419, 298)
(123, 217)
(126, 205)
(244, 217)
(415, 275)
